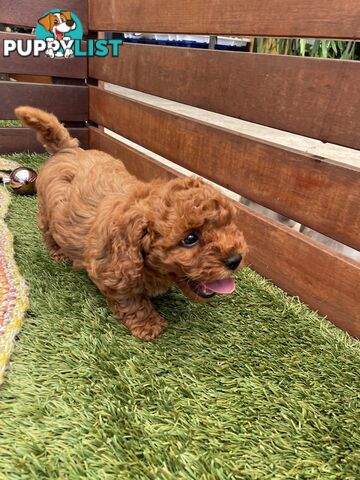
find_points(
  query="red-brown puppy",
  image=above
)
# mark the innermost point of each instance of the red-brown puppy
(134, 239)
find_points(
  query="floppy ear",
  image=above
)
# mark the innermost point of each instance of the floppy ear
(46, 21)
(115, 250)
(66, 13)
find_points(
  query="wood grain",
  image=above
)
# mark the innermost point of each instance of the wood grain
(140, 165)
(308, 18)
(71, 67)
(316, 98)
(25, 13)
(67, 102)
(321, 278)
(14, 140)
(318, 193)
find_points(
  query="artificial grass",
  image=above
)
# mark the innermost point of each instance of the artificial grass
(253, 386)
(10, 123)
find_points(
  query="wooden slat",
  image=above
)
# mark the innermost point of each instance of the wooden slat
(68, 102)
(305, 18)
(318, 193)
(71, 67)
(13, 140)
(25, 13)
(321, 278)
(316, 98)
(137, 164)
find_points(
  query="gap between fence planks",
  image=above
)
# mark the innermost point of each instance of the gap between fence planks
(25, 13)
(307, 18)
(71, 67)
(323, 279)
(317, 98)
(15, 140)
(315, 192)
(67, 102)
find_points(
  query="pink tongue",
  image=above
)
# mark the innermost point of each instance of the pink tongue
(224, 287)
(59, 35)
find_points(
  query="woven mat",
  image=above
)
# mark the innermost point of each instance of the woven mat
(13, 289)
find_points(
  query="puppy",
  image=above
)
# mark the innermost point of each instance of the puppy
(134, 239)
(58, 24)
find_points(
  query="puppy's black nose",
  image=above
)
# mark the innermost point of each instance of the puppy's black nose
(233, 261)
(70, 23)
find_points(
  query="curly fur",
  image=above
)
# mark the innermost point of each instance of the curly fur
(126, 233)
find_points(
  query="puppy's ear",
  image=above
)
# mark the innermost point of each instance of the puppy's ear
(67, 14)
(126, 234)
(46, 21)
(116, 246)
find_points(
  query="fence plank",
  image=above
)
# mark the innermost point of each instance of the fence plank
(308, 18)
(14, 140)
(71, 67)
(318, 193)
(316, 98)
(68, 102)
(294, 262)
(137, 164)
(25, 13)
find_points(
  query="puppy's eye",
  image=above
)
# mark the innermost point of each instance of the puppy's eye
(56, 22)
(190, 240)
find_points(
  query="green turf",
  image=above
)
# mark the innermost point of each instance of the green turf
(253, 386)
(10, 123)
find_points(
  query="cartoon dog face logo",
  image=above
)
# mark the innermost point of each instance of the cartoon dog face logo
(58, 23)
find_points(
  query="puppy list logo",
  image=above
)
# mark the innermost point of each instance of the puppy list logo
(59, 29)
(59, 34)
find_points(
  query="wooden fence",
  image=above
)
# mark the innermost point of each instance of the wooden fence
(65, 92)
(312, 97)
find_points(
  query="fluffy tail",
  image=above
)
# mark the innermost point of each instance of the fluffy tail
(49, 131)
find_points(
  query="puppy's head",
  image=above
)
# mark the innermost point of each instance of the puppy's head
(183, 231)
(193, 239)
(58, 23)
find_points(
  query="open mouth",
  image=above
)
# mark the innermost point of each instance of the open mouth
(59, 35)
(225, 286)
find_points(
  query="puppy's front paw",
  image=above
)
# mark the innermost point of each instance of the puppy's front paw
(151, 328)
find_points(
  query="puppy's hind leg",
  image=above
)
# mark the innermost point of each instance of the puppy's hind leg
(53, 248)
